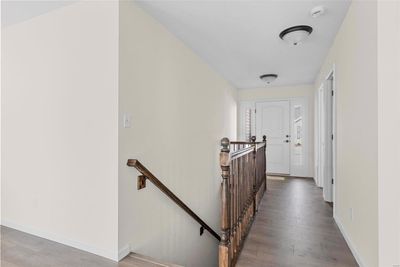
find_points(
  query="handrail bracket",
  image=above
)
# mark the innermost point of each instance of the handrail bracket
(141, 182)
(147, 175)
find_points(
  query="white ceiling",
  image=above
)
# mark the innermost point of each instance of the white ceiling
(240, 39)
(237, 38)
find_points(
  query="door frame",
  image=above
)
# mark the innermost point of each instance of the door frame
(318, 136)
(331, 75)
(242, 105)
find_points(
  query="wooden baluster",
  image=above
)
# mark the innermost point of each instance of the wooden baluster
(224, 251)
(232, 188)
(264, 157)
(254, 191)
(235, 206)
(236, 215)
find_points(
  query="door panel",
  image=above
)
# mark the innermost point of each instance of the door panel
(272, 120)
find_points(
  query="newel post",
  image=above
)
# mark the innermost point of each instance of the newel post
(224, 159)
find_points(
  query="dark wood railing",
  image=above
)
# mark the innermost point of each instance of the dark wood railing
(147, 175)
(243, 166)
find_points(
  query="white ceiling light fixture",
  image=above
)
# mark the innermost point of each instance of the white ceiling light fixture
(268, 78)
(296, 34)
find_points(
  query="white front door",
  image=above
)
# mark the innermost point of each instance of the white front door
(272, 120)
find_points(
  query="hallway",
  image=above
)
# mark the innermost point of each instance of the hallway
(295, 227)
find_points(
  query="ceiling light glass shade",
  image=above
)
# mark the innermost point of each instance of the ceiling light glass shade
(295, 35)
(268, 78)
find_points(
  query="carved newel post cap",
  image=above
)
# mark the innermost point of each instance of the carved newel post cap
(225, 143)
(253, 139)
(264, 138)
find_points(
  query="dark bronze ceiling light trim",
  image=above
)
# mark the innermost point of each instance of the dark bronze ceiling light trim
(296, 34)
(306, 28)
(268, 78)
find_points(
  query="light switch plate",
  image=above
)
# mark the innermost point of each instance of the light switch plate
(127, 121)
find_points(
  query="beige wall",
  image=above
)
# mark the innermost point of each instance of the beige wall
(285, 92)
(59, 126)
(354, 54)
(389, 132)
(180, 109)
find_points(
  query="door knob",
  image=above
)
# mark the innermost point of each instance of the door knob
(287, 141)
(287, 136)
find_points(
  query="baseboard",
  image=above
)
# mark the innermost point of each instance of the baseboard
(349, 242)
(124, 251)
(61, 240)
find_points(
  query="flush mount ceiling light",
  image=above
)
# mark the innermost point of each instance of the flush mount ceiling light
(296, 34)
(268, 78)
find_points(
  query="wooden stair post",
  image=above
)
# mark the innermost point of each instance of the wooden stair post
(224, 245)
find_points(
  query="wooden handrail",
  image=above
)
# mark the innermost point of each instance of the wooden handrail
(241, 152)
(252, 141)
(235, 146)
(146, 174)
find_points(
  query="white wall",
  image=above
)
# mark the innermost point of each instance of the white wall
(389, 132)
(277, 92)
(1, 30)
(249, 96)
(59, 126)
(180, 109)
(354, 54)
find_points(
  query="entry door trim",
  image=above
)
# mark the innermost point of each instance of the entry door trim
(307, 169)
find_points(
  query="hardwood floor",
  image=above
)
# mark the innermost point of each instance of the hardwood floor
(294, 227)
(19, 249)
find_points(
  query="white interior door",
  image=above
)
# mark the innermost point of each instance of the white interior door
(272, 120)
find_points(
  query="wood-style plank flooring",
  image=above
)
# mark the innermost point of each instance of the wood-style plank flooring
(295, 227)
(19, 249)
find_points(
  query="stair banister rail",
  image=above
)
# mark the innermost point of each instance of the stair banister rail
(147, 175)
(243, 186)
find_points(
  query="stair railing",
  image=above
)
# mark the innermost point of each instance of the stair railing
(147, 175)
(243, 186)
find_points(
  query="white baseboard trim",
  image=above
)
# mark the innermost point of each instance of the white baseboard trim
(59, 239)
(349, 242)
(124, 251)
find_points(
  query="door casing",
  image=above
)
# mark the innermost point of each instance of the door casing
(306, 170)
(326, 139)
